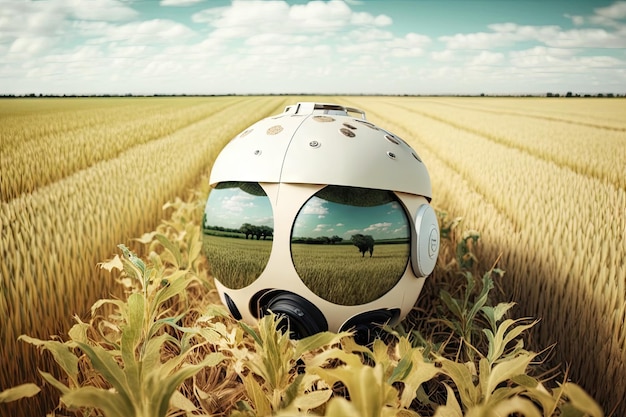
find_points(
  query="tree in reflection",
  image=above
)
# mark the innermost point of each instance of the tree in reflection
(365, 243)
(258, 232)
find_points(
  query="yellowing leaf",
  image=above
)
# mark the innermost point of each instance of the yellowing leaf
(181, 402)
(115, 263)
(452, 407)
(256, 394)
(146, 237)
(61, 353)
(18, 392)
(111, 403)
(504, 371)
(310, 400)
(581, 400)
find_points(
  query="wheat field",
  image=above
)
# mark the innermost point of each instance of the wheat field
(543, 180)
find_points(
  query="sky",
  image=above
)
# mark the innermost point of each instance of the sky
(319, 217)
(315, 47)
(232, 207)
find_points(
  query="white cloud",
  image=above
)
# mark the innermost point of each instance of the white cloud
(609, 15)
(236, 203)
(446, 55)
(362, 18)
(587, 38)
(377, 227)
(321, 227)
(243, 19)
(487, 58)
(508, 34)
(315, 206)
(149, 31)
(107, 10)
(576, 20)
(29, 46)
(180, 3)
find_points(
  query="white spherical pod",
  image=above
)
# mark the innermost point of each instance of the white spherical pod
(322, 217)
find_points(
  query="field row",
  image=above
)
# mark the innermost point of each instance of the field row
(53, 238)
(36, 155)
(560, 231)
(590, 149)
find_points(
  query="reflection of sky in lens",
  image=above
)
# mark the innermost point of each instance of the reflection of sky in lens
(232, 207)
(319, 217)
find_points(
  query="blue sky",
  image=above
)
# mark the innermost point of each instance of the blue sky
(232, 207)
(325, 47)
(319, 217)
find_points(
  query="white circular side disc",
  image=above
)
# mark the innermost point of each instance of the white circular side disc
(424, 253)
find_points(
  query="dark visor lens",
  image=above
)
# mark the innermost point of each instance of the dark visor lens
(351, 245)
(238, 228)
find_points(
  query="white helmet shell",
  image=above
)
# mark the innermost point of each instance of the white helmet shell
(293, 161)
(312, 143)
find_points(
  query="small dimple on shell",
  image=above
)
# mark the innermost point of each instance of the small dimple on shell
(323, 119)
(274, 130)
(392, 139)
(347, 132)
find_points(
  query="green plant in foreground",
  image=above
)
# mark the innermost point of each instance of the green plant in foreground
(133, 355)
(126, 356)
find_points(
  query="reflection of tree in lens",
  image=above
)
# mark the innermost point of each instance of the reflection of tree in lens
(326, 231)
(238, 229)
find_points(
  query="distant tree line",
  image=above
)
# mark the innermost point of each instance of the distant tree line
(247, 229)
(549, 94)
(258, 232)
(320, 240)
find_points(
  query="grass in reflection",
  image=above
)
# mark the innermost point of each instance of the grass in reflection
(341, 275)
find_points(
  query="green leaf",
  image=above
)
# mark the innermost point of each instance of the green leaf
(252, 333)
(419, 372)
(313, 399)
(181, 402)
(506, 370)
(54, 382)
(133, 330)
(111, 403)
(451, 303)
(401, 370)
(121, 305)
(256, 394)
(60, 352)
(176, 286)
(78, 332)
(482, 298)
(161, 382)
(104, 363)
(581, 400)
(515, 405)
(151, 357)
(18, 392)
(495, 314)
(317, 341)
(330, 355)
(462, 378)
(292, 391)
(369, 394)
(172, 248)
(503, 336)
